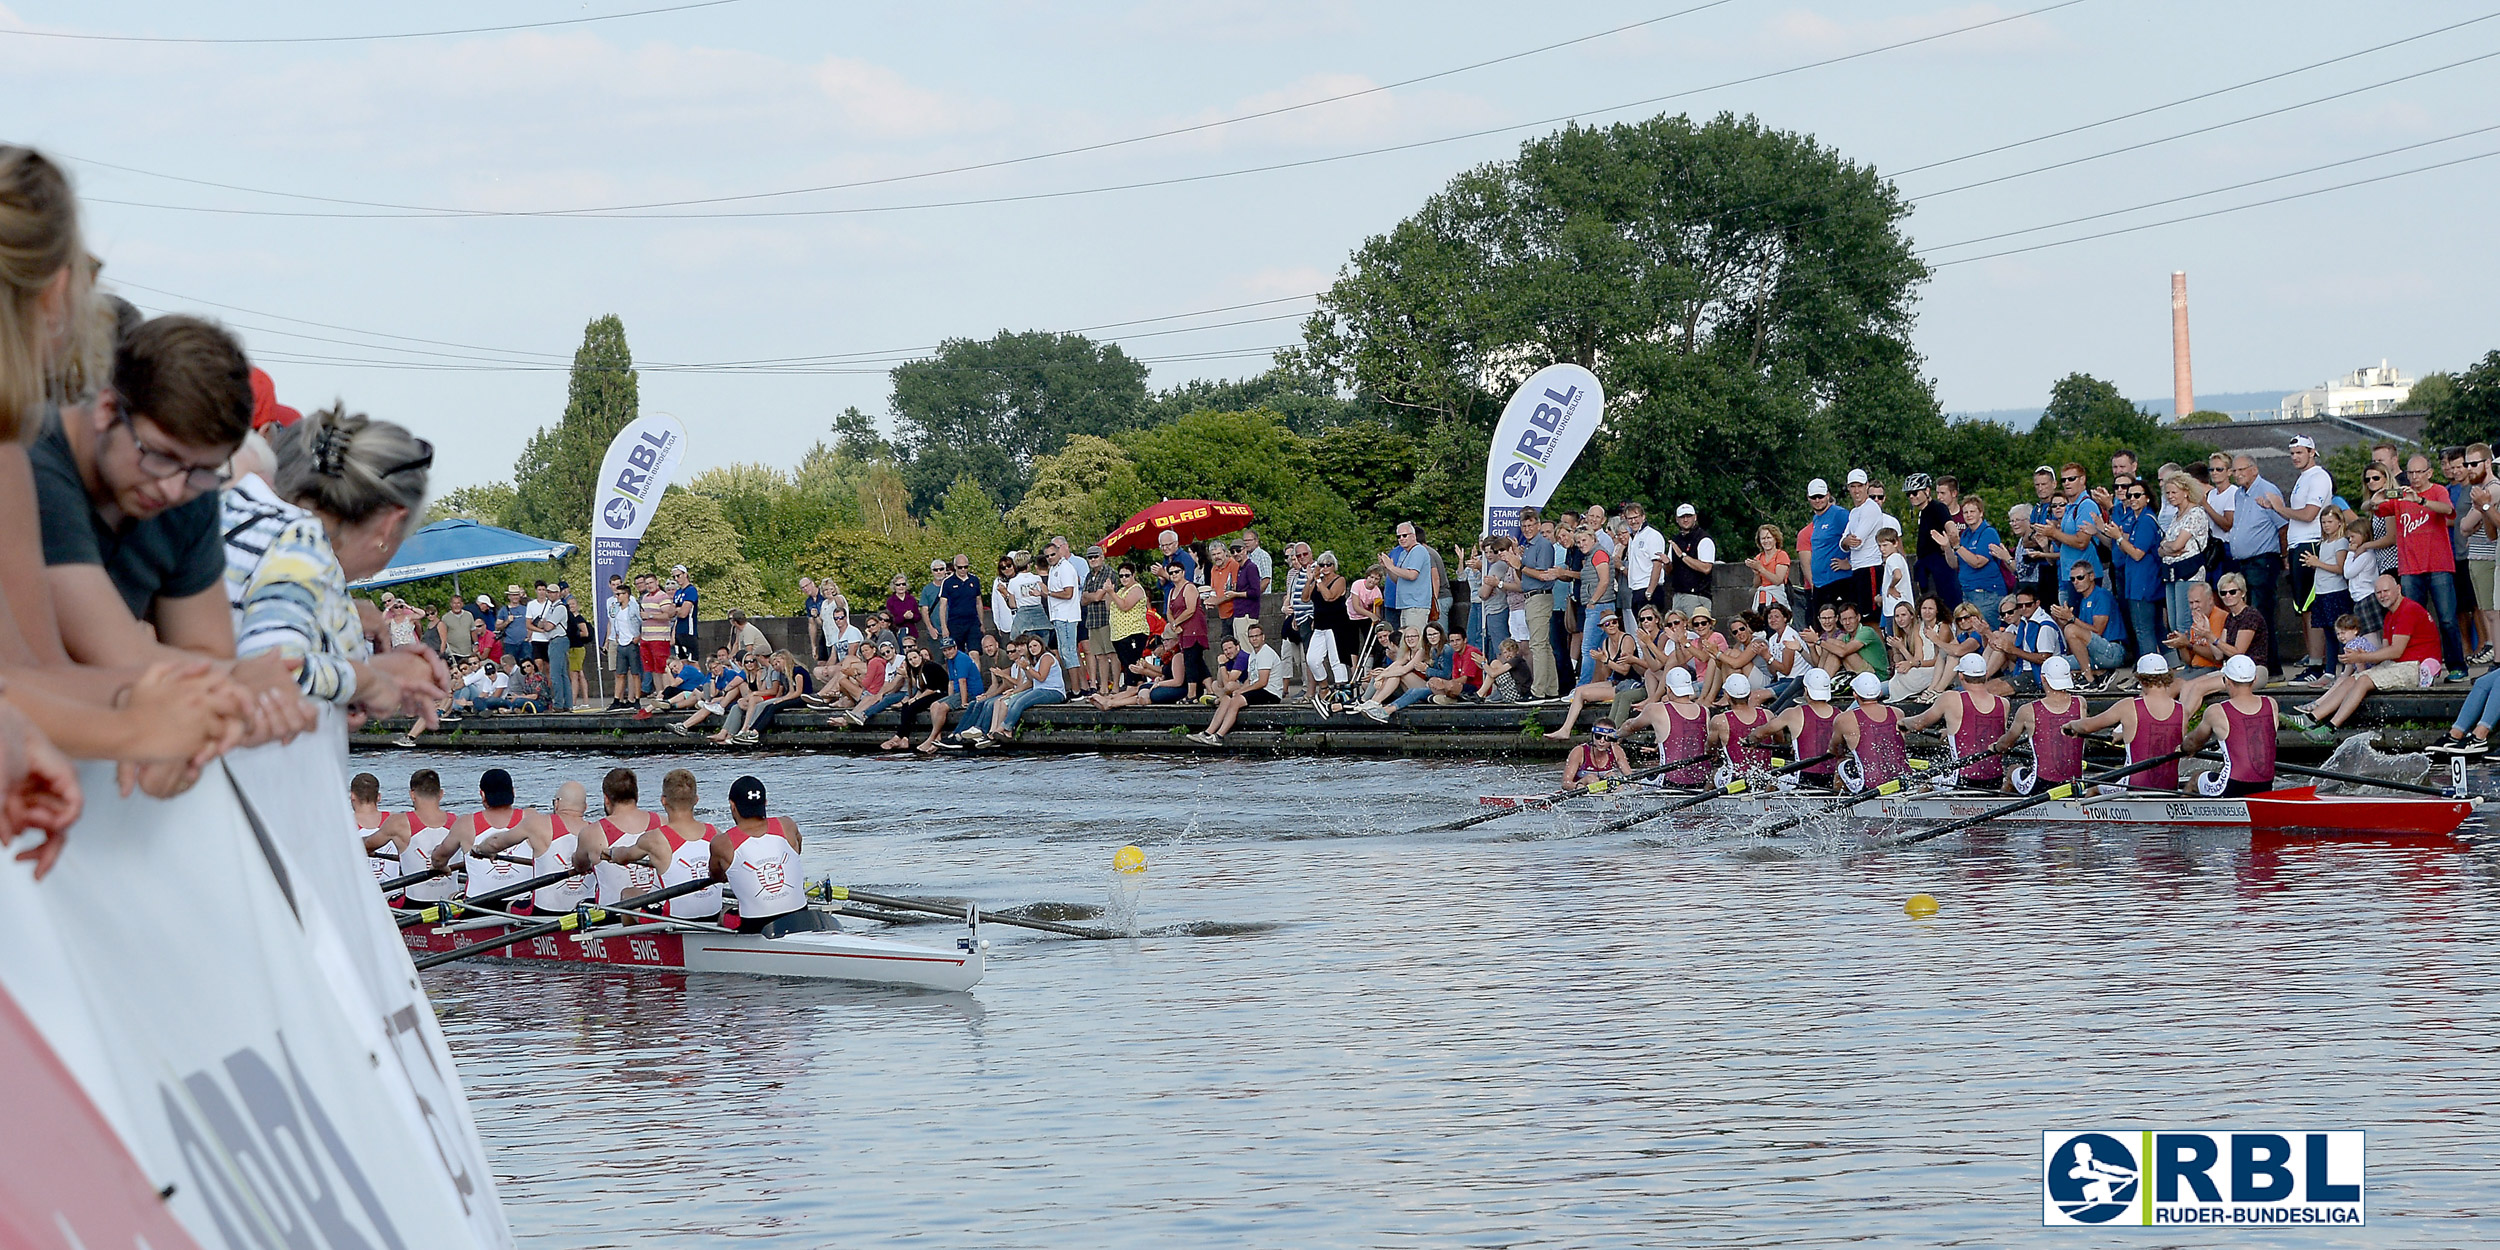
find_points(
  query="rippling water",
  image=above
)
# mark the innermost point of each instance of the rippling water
(1507, 1036)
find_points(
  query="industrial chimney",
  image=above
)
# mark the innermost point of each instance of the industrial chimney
(2182, 383)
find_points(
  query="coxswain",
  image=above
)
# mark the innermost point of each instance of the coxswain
(1808, 726)
(2152, 725)
(553, 838)
(1731, 730)
(496, 814)
(364, 795)
(610, 845)
(1683, 728)
(679, 847)
(2056, 757)
(757, 857)
(1871, 732)
(1974, 720)
(2243, 725)
(1596, 761)
(422, 830)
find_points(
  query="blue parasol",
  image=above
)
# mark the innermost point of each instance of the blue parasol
(457, 545)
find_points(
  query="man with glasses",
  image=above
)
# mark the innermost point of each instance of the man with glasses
(2419, 514)
(1866, 556)
(959, 604)
(2480, 519)
(2077, 525)
(1407, 577)
(2313, 492)
(2030, 637)
(2256, 546)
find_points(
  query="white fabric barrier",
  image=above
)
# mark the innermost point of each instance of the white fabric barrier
(239, 1007)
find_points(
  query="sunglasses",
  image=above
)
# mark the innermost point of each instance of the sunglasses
(2234, 592)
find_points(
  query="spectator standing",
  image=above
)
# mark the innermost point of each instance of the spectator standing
(2418, 514)
(959, 604)
(1298, 613)
(1828, 570)
(659, 627)
(550, 633)
(902, 607)
(2134, 534)
(2078, 523)
(1536, 583)
(1062, 590)
(1406, 580)
(2256, 546)
(2452, 469)
(459, 632)
(1691, 562)
(1102, 671)
(1866, 556)
(1169, 543)
(1770, 564)
(1936, 505)
(1596, 592)
(1222, 588)
(1498, 590)
(2184, 542)
(1247, 550)
(1981, 562)
(624, 645)
(1643, 566)
(2313, 492)
(2480, 519)
(932, 607)
(689, 603)
(512, 624)
(812, 606)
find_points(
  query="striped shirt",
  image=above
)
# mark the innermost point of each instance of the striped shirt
(287, 591)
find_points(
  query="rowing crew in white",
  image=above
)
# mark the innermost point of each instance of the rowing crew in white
(626, 853)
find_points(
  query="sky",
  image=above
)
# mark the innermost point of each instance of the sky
(401, 222)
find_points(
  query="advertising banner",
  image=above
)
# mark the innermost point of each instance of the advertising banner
(631, 477)
(1542, 431)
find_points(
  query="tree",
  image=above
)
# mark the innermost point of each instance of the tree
(2205, 416)
(1372, 467)
(2083, 406)
(690, 529)
(988, 409)
(774, 520)
(557, 477)
(855, 435)
(1241, 457)
(490, 504)
(1066, 494)
(1307, 401)
(968, 521)
(2464, 408)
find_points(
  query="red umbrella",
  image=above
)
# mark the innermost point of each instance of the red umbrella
(1192, 519)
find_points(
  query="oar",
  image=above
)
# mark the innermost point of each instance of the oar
(1894, 786)
(451, 906)
(1567, 793)
(830, 891)
(395, 884)
(2053, 793)
(2350, 778)
(1738, 786)
(577, 918)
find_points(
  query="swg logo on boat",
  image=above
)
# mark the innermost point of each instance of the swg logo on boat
(2176, 1178)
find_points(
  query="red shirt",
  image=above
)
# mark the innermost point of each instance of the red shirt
(2421, 633)
(2421, 538)
(1467, 664)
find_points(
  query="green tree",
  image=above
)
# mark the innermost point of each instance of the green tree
(2083, 406)
(557, 477)
(2464, 408)
(1241, 457)
(690, 529)
(968, 521)
(490, 504)
(1067, 493)
(2205, 416)
(1371, 466)
(1307, 402)
(988, 409)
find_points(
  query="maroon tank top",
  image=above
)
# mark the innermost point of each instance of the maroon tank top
(1814, 737)
(1979, 731)
(2155, 738)
(2250, 748)
(1687, 737)
(1882, 755)
(1748, 756)
(2055, 758)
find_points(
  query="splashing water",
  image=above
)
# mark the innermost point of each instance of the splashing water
(1127, 892)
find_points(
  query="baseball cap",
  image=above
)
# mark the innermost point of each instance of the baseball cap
(1685, 509)
(2044, 469)
(1736, 687)
(1867, 686)
(678, 569)
(1818, 684)
(2303, 440)
(950, 643)
(1818, 487)
(1857, 477)
(2239, 668)
(1679, 682)
(2151, 664)
(1972, 665)
(2057, 674)
(1918, 481)
(746, 797)
(1094, 550)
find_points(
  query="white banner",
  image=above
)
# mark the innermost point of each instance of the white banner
(227, 988)
(632, 476)
(1542, 431)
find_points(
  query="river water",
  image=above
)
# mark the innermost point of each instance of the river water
(1337, 1034)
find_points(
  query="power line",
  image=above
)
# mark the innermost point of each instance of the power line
(602, 214)
(413, 34)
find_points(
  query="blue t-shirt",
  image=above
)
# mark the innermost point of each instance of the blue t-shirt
(2080, 517)
(690, 676)
(963, 601)
(2139, 577)
(1416, 591)
(1988, 578)
(685, 625)
(1828, 527)
(2257, 530)
(515, 625)
(967, 670)
(2099, 603)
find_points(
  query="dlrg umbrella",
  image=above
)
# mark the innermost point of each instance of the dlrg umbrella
(1192, 519)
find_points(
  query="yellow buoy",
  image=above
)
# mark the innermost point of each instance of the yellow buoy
(1920, 905)
(1128, 859)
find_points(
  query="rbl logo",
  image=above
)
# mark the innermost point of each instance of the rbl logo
(2188, 1177)
(619, 512)
(1519, 479)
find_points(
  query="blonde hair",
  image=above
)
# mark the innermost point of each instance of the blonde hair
(2196, 490)
(350, 466)
(39, 239)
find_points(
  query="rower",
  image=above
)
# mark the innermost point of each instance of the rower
(2243, 725)
(610, 844)
(1974, 719)
(422, 830)
(1597, 761)
(1872, 733)
(364, 795)
(679, 847)
(496, 813)
(1732, 728)
(758, 858)
(2152, 724)
(1683, 728)
(552, 837)
(1808, 726)
(2056, 757)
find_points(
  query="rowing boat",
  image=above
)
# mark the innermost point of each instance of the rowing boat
(823, 955)
(2298, 809)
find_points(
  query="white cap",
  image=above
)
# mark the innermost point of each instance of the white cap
(1818, 685)
(1818, 487)
(2151, 664)
(1685, 509)
(1857, 477)
(1867, 686)
(1679, 682)
(2057, 674)
(2303, 440)
(1973, 665)
(2239, 668)
(1736, 687)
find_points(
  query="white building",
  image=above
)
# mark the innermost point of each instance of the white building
(2360, 393)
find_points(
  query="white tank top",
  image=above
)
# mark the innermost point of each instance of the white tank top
(765, 875)
(618, 882)
(691, 861)
(563, 895)
(418, 856)
(493, 874)
(379, 861)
